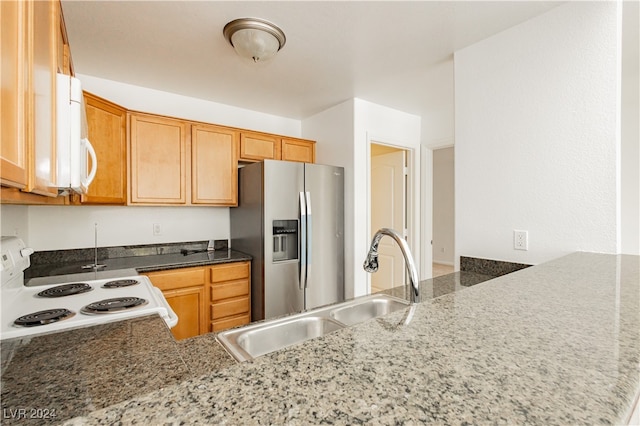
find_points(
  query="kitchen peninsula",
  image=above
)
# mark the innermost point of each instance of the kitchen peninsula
(556, 343)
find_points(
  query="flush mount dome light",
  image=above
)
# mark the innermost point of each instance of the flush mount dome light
(254, 38)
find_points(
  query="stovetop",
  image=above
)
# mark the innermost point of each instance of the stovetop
(19, 300)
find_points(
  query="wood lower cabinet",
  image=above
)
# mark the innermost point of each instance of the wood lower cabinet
(107, 123)
(230, 295)
(158, 158)
(301, 150)
(185, 292)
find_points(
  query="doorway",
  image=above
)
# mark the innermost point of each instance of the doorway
(389, 201)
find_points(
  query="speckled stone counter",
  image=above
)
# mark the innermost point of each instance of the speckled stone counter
(73, 373)
(553, 344)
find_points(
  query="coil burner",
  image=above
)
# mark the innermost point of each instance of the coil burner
(120, 283)
(44, 317)
(65, 290)
(117, 304)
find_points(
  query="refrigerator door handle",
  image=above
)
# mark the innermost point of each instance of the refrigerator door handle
(308, 238)
(302, 264)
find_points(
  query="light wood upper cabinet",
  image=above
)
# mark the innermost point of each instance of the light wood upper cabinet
(44, 32)
(31, 34)
(214, 165)
(14, 79)
(107, 123)
(259, 146)
(301, 150)
(158, 160)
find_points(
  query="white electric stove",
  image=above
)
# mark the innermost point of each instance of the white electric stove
(29, 311)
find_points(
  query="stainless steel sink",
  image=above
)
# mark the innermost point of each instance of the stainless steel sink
(366, 308)
(259, 339)
(269, 336)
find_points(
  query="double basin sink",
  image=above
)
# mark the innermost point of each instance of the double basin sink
(262, 338)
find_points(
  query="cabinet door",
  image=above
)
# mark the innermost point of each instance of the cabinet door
(107, 124)
(13, 75)
(158, 160)
(188, 304)
(214, 166)
(44, 28)
(257, 147)
(300, 150)
(185, 291)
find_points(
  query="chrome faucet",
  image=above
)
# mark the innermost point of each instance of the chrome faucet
(371, 262)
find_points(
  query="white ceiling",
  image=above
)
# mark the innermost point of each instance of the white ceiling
(335, 50)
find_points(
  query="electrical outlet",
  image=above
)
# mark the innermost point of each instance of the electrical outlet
(520, 240)
(157, 229)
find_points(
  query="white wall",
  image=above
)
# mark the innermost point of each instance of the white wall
(66, 227)
(438, 110)
(56, 227)
(443, 206)
(630, 185)
(536, 136)
(333, 130)
(380, 124)
(157, 102)
(348, 129)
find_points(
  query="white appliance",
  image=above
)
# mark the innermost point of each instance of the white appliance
(72, 141)
(91, 302)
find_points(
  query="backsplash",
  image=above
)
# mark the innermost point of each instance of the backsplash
(88, 254)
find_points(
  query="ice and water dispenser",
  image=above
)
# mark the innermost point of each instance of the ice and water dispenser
(285, 240)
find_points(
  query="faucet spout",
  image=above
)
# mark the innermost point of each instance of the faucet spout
(371, 262)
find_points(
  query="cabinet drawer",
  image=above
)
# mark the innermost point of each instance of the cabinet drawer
(229, 272)
(229, 290)
(229, 322)
(229, 308)
(170, 280)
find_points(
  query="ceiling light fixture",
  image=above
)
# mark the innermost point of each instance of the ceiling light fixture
(254, 38)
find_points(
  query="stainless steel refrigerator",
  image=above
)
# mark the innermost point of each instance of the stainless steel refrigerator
(290, 218)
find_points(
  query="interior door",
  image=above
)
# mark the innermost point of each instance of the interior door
(388, 210)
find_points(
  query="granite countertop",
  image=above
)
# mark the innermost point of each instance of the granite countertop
(55, 266)
(556, 343)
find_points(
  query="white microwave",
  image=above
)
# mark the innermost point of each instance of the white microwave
(72, 143)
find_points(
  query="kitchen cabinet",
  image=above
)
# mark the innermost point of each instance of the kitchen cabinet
(158, 159)
(230, 295)
(214, 165)
(185, 292)
(259, 146)
(301, 150)
(107, 124)
(41, 114)
(33, 40)
(13, 157)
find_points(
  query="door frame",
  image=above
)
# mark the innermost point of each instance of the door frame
(412, 221)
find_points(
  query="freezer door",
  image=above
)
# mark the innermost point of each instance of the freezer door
(283, 292)
(324, 191)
